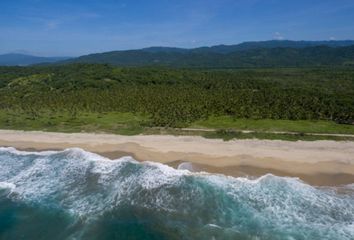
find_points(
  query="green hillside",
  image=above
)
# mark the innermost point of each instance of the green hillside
(238, 56)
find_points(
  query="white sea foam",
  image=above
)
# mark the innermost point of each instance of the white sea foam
(88, 185)
(23, 153)
(6, 188)
(6, 185)
(186, 166)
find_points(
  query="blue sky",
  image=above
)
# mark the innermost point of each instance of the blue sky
(76, 27)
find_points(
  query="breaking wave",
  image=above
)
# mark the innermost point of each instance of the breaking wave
(74, 194)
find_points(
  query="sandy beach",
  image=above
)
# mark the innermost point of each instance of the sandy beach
(319, 162)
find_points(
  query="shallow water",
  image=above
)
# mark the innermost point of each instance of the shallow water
(75, 194)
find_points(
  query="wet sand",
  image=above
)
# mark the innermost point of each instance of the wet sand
(319, 163)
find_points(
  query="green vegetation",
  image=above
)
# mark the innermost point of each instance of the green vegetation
(118, 123)
(245, 56)
(132, 124)
(227, 135)
(271, 125)
(103, 98)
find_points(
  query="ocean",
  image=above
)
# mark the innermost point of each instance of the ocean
(74, 194)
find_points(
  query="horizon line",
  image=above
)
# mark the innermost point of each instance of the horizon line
(28, 53)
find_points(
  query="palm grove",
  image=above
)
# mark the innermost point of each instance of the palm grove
(178, 97)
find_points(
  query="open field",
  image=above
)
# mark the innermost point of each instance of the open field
(119, 123)
(299, 126)
(215, 127)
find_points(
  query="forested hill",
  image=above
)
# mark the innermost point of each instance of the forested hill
(244, 56)
(245, 46)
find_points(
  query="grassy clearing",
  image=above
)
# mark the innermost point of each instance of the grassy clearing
(118, 123)
(269, 125)
(230, 135)
(133, 124)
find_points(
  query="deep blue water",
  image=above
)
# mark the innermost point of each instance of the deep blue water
(75, 194)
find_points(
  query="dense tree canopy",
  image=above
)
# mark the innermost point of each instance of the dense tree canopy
(177, 97)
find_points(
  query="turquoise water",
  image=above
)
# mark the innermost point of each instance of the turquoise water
(75, 194)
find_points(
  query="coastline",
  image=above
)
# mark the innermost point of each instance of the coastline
(320, 163)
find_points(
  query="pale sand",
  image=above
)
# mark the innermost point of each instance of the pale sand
(311, 161)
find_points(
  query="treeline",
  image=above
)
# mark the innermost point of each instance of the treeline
(176, 98)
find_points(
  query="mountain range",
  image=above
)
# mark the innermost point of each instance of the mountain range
(254, 45)
(17, 59)
(274, 53)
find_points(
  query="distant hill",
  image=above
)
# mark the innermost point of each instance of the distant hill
(273, 44)
(251, 46)
(248, 54)
(16, 59)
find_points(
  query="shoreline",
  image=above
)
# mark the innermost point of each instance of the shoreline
(322, 163)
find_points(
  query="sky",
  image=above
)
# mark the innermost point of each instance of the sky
(78, 27)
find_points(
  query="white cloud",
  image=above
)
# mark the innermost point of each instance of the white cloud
(278, 36)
